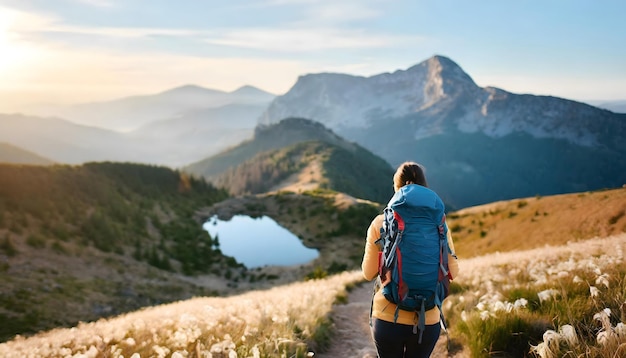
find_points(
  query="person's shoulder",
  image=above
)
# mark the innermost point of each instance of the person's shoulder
(378, 220)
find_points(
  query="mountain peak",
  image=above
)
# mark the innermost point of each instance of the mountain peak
(296, 126)
(248, 90)
(443, 61)
(442, 69)
(342, 101)
(191, 89)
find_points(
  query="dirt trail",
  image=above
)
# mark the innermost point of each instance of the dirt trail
(352, 337)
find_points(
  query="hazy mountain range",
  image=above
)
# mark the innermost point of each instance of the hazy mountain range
(478, 144)
(613, 106)
(172, 128)
(130, 113)
(12, 154)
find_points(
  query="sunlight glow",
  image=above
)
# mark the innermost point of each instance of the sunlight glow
(13, 53)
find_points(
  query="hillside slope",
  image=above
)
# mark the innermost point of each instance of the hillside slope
(82, 242)
(533, 222)
(298, 148)
(12, 154)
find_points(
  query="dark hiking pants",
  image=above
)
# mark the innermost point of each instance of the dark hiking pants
(395, 340)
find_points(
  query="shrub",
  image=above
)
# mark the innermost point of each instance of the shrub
(36, 241)
(8, 247)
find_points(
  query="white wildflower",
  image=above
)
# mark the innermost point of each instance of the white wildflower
(161, 352)
(620, 329)
(593, 290)
(568, 332)
(547, 294)
(563, 274)
(499, 306)
(551, 343)
(542, 350)
(135, 355)
(484, 315)
(130, 341)
(310, 354)
(577, 279)
(464, 316)
(603, 280)
(520, 303)
(604, 337)
(232, 354)
(551, 336)
(603, 316)
(177, 354)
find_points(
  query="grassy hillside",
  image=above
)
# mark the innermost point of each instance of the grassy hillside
(537, 221)
(81, 242)
(284, 149)
(288, 132)
(355, 172)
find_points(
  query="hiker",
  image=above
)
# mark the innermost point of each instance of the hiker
(397, 332)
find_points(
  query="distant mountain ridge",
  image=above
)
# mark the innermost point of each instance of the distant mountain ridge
(478, 144)
(129, 113)
(174, 128)
(66, 142)
(12, 154)
(617, 106)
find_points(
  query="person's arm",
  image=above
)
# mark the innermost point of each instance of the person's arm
(453, 262)
(369, 266)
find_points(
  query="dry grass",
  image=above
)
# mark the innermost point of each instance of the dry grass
(524, 302)
(286, 321)
(523, 224)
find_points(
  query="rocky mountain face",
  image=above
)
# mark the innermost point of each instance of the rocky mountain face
(478, 144)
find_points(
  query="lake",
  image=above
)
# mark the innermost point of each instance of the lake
(258, 242)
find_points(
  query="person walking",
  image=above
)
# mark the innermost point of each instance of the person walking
(394, 330)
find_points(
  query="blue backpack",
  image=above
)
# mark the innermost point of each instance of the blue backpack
(413, 266)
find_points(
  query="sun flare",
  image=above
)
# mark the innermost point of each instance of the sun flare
(13, 53)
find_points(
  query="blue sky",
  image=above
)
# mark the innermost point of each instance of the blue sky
(71, 51)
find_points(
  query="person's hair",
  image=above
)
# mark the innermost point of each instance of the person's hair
(409, 173)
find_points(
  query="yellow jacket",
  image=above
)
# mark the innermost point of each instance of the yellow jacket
(381, 308)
